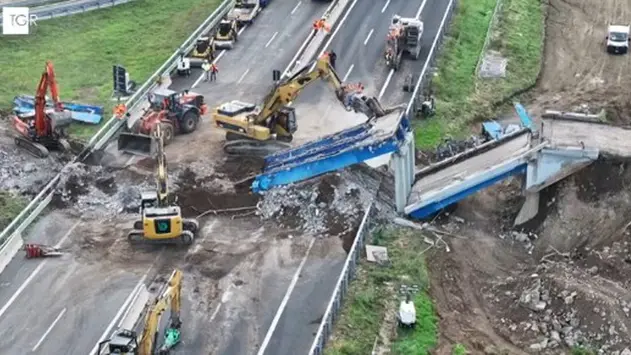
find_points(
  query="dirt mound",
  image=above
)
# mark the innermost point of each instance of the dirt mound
(195, 197)
(239, 168)
(560, 284)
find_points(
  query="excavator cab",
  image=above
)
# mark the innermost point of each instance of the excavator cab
(123, 342)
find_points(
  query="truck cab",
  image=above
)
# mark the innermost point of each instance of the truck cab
(618, 39)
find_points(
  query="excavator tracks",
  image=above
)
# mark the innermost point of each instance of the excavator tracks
(137, 237)
(33, 148)
(247, 147)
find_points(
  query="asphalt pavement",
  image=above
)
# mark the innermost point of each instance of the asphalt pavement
(58, 305)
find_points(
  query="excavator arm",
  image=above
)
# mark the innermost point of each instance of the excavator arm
(161, 169)
(170, 298)
(287, 91)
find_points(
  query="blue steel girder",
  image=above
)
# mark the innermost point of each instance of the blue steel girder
(337, 151)
(427, 208)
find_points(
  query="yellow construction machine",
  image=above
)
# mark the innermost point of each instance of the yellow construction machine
(162, 221)
(266, 129)
(227, 34)
(126, 342)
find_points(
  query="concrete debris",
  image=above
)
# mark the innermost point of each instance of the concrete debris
(94, 191)
(328, 206)
(25, 174)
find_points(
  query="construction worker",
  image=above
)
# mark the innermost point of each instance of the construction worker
(213, 72)
(120, 110)
(206, 67)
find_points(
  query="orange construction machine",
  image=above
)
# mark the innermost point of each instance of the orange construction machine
(173, 111)
(46, 129)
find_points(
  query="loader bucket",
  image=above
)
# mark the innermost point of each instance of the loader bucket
(136, 144)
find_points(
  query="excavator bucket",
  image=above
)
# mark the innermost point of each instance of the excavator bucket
(137, 144)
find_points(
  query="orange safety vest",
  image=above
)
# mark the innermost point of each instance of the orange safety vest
(119, 110)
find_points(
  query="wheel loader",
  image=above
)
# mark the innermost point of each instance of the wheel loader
(227, 34)
(175, 113)
(161, 220)
(404, 37)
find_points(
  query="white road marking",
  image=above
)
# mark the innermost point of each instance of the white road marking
(420, 9)
(368, 37)
(119, 313)
(243, 76)
(296, 7)
(201, 77)
(41, 340)
(34, 273)
(383, 9)
(385, 85)
(271, 39)
(283, 304)
(348, 72)
(339, 25)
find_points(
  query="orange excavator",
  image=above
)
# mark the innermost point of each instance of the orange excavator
(46, 130)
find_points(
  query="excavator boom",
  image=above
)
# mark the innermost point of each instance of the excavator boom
(125, 341)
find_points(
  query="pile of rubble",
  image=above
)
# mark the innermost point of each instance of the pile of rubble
(566, 301)
(22, 173)
(94, 191)
(330, 205)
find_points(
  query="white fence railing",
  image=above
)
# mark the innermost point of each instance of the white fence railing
(98, 141)
(350, 266)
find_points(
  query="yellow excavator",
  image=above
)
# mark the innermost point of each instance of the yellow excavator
(268, 128)
(162, 221)
(126, 342)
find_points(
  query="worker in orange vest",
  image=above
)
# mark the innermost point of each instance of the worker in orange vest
(120, 110)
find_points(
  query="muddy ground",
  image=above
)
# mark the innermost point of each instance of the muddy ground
(559, 282)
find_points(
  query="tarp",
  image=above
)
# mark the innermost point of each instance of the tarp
(24, 105)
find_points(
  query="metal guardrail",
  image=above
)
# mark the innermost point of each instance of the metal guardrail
(350, 266)
(47, 12)
(109, 129)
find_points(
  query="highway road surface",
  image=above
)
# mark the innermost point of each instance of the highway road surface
(61, 305)
(608, 139)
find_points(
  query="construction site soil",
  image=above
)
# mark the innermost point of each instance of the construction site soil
(560, 282)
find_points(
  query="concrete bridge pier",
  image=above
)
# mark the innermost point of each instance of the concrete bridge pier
(402, 164)
(549, 166)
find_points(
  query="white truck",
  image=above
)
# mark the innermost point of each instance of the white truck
(618, 39)
(404, 36)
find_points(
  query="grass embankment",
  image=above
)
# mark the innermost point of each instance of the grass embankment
(10, 206)
(375, 293)
(139, 35)
(462, 97)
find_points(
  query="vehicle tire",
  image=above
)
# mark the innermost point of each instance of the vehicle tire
(187, 238)
(138, 225)
(188, 122)
(168, 132)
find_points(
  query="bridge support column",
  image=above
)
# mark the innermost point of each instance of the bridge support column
(403, 166)
(548, 167)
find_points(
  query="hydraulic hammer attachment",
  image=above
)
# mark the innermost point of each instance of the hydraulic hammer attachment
(137, 144)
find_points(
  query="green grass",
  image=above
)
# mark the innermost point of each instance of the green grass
(140, 35)
(459, 349)
(581, 350)
(10, 207)
(365, 304)
(462, 98)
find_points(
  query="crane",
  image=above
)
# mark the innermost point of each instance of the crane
(46, 130)
(161, 219)
(265, 129)
(126, 342)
